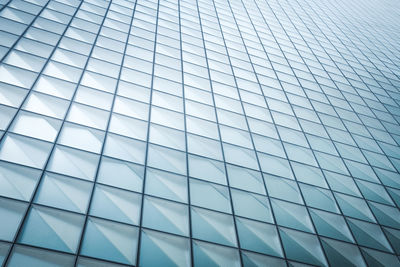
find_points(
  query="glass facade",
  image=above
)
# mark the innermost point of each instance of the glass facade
(199, 133)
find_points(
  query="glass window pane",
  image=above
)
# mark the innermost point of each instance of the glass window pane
(110, 241)
(213, 226)
(159, 249)
(115, 204)
(217, 196)
(165, 216)
(12, 213)
(62, 229)
(22, 256)
(166, 185)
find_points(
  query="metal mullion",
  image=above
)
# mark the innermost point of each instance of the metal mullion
(367, 202)
(368, 132)
(219, 132)
(368, 30)
(7, 258)
(107, 127)
(250, 133)
(336, 150)
(373, 77)
(55, 141)
(5, 5)
(301, 193)
(186, 141)
(28, 26)
(323, 174)
(361, 149)
(147, 139)
(12, 48)
(61, 252)
(350, 51)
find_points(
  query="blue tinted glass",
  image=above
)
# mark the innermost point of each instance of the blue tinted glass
(205, 133)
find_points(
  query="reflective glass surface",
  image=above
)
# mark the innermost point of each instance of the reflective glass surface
(199, 133)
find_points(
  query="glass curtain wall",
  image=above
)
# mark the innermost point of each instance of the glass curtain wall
(199, 133)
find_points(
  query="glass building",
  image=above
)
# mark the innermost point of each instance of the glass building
(199, 133)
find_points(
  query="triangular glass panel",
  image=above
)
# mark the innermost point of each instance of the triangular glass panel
(374, 192)
(11, 214)
(64, 192)
(127, 126)
(46, 105)
(369, 235)
(17, 181)
(24, 150)
(121, 174)
(292, 215)
(361, 171)
(110, 241)
(205, 147)
(11, 95)
(308, 174)
(379, 259)
(260, 208)
(217, 196)
(211, 255)
(245, 179)
(116, 204)
(159, 249)
(389, 178)
(240, 156)
(213, 226)
(28, 256)
(55, 87)
(166, 216)
(51, 228)
(319, 198)
(89, 139)
(207, 169)
(167, 159)
(395, 194)
(354, 207)
(283, 188)
(386, 215)
(16, 76)
(125, 148)
(254, 260)
(259, 237)
(342, 183)
(73, 162)
(166, 185)
(302, 247)
(342, 254)
(167, 137)
(37, 126)
(393, 237)
(331, 225)
(275, 165)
